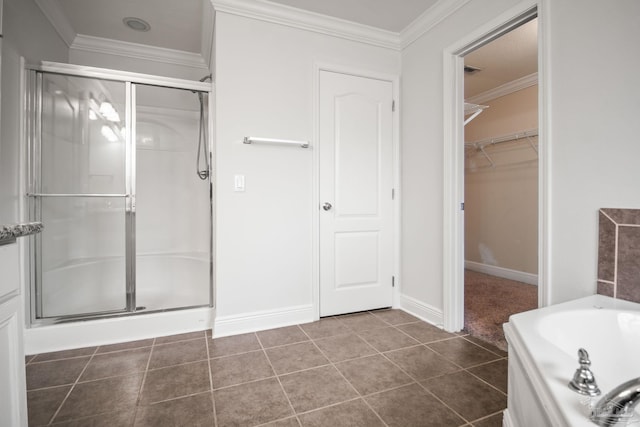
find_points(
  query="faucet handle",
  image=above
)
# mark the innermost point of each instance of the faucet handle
(583, 380)
(583, 358)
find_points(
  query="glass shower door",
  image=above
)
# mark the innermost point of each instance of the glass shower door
(79, 192)
(173, 204)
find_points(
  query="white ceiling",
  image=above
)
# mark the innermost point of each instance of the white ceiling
(174, 24)
(178, 25)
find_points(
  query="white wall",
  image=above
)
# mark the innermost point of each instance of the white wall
(593, 150)
(27, 33)
(264, 76)
(594, 132)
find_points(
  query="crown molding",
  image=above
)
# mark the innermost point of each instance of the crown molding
(505, 89)
(297, 18)
(53, 12)
(256, 9)
(138, 51)
(428, 20)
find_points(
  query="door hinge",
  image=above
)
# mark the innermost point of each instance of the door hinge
(393, 194)
(462, 206)
(393, 105)
(393, 281)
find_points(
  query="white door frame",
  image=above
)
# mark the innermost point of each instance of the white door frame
(453, 103)
(318, 67)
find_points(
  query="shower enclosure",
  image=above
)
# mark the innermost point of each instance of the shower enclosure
(119, 175)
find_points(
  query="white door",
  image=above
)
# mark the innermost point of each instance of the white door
(356, 183)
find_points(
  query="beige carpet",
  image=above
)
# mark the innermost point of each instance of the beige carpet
(490, 300)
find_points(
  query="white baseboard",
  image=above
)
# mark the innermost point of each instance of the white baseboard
(258, 321)
(130, 328)
(421, 310)
(505, 273)
(65, 336)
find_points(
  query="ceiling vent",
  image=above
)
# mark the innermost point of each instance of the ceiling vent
(136, 23)
(469, 69)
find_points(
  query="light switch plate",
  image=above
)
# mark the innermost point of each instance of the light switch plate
(238, 183)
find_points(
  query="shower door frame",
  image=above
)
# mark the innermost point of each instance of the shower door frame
(34, 132)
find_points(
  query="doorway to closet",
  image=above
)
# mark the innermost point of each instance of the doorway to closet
(501, 181)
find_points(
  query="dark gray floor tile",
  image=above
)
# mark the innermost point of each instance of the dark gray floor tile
(281, 336)
(177, 353)
(287, 422)
(354, 413)
(395, 316)
(175, 381)
(467, 395)
(421, 362)
(344, 347)
(118, 363)
(247, 393)
(113, 419)
(101, 396)
(425, 332)
(240, 368)
(495, 373)
(295, 357)
(57, 372)
(29, 358)
(410, 406)
(236, 344)
(326, 327)
(43, 404)
(385, 339)
(492, 421)
(372, 374)
(462, 352)
(64, 354)
(180, 337)
(129, 345)
(362, 321)
(316, 388)
(251, 404)
(191, 411)
(492, 348)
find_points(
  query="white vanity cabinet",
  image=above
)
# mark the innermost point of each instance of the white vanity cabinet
(13, 395)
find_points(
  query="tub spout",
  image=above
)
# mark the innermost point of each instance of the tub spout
(618, 405)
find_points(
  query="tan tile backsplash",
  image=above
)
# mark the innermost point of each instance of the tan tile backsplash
(619, 254)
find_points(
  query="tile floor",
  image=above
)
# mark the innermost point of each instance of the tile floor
(380, 368)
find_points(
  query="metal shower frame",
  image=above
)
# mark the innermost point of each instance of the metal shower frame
(33, 132)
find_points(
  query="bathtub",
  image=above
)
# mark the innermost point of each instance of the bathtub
(165, 282)
(543, 346)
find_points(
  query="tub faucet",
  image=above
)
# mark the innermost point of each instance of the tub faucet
(618, 405)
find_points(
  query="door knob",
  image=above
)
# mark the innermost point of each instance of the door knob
(327, 206)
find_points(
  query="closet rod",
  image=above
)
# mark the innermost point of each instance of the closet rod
(504, 138)
(252, 139)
